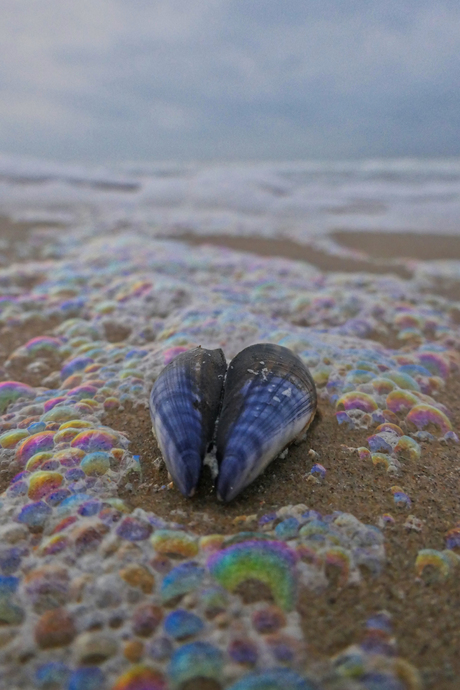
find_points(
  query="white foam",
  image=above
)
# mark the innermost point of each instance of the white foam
(296, 200)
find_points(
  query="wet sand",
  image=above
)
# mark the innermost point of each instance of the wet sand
(426, 614)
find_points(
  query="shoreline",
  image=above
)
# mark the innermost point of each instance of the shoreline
(425, 612)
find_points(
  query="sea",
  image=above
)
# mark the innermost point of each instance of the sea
(300, 200)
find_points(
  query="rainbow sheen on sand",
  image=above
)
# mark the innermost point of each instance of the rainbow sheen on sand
(141, 678)
(10, 391)
(97, 593)
(270, 562)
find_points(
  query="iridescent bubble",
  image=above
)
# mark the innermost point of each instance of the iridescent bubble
(357, 400)
(343, 418)
(37, 443)
(367, 366)
(87, 537)
(381, 459)
(383, 385)
(400, 497)
(195, 660)
(182, 579)
(160, 649)
(90, 508)
(243, 651)
(21, 476)
(19, 488)
(34, 515)
(82, 392)
(69, 457)
(453, 558)
(287, 529)
(77, 364)
(36, 427)
(407, 448)
(42, 461)
(86, 406)
(268, 620)
(174, 543)
(94, 440)
(402, 380)
(320, 375)
(390, 417)
(274, 679)
(59, 413)
(437, 561)
(68, 504)
(10, 438)
(271, 562)
(453, 538)
(72, 381)
(66, 435)
(52, 402)
(412, 335)
(283, 648)
(357, 376)
(76, 424)
(414, 370)
(428, 400)
(310, 357)
(138, 576)
(43, 483)
(381, 443)
(63, 524)
(387, 426)
(86, 678)
(423, 416)
(56, 497)
(451, 436)
(181, 624)
(43, 344)
(10, 391)
(364, 453)
(74, 474)
(134, 529)
(435, 363)
(51, 675)
(172, 353)
(95, 464)
(54, 544)
(401, 401)
(111, 403)
(266, 519)
(141, 678)
(316, 530)
(318, 470)
(388, 519)
(339, 558)
(146, 619)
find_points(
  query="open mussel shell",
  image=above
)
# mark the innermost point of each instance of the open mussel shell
(184, 405)
(269, 401)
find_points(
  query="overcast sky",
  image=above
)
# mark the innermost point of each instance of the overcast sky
(111, 80)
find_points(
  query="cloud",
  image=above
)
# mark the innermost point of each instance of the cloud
(138, 79)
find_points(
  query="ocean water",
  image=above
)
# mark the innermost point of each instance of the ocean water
(302, 200)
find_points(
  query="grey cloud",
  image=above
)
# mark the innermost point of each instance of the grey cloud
(113, 79)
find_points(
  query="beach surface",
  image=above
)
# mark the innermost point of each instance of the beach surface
(93, 307)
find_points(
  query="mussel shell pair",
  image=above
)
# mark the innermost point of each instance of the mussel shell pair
(263, 402)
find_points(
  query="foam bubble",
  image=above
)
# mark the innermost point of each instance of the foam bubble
(271, 562)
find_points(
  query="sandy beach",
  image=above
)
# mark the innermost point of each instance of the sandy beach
(424, 605)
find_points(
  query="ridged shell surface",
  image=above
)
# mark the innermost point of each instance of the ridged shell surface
(184, 404)
(269, 400)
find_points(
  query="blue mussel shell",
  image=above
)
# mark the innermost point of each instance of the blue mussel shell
(266, 401)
